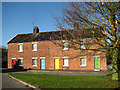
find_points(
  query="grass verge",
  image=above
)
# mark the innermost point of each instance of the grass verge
(66, 81)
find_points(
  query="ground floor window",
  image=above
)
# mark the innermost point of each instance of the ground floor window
(34, 62)
(83, 61)
(20, 61)
(65, 62)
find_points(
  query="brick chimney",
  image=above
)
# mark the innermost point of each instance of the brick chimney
(35, 30)
(76, 26)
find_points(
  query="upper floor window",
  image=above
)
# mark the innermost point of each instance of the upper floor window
(20, 48)
(83, 61)
(34, 46)
(20, 61)
(82, 46)
(65, 45)
(65, 62)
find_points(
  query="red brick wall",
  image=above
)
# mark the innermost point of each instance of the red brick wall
(49, 50)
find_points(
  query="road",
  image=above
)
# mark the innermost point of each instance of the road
(10, 83)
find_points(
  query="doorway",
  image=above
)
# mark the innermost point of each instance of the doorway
(97, 63)
(42, 63)
(13, 63)
(56, 63)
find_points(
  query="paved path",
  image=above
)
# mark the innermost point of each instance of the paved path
(78, 73)
(5, 70)
(10, 83)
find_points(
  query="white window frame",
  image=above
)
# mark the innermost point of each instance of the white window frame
(82, 46)
(22, 62)
(67, 62)
(81, 61)
(32, 63)
(34, 48)
(65, 42)
(20, 49)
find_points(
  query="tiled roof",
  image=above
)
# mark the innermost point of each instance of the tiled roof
(55, 35)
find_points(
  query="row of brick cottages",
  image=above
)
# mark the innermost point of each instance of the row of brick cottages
(36, 51)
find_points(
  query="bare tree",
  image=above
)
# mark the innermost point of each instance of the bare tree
(98, 20)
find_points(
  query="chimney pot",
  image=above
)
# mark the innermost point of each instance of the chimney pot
(76, 26)
(35, 30)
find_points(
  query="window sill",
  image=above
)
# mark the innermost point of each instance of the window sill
(65, 66)
(83, 66)
(34, 50)
(65, 49)
(82, 48)
(34, 66)
(20, 65)
(20, 51)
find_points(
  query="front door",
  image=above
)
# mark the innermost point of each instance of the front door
(42, 63)
(13, 63)
(56, 63)
(97, 62)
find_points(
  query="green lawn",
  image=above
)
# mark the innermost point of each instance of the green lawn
(66, 81)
